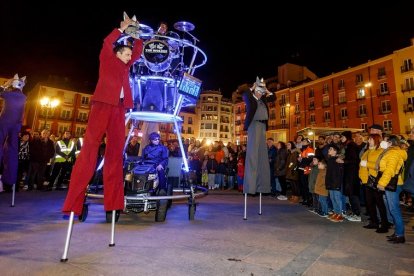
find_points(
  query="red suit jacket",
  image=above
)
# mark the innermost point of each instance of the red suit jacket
(114, 74)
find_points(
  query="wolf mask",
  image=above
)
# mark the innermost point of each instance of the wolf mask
(260, 86)
(15, 83)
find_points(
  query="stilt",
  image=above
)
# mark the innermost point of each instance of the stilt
(112, 242)
(260, 203)
(245, 207)
(13, 194)
(68, 236)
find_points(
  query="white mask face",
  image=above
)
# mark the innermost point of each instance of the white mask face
(384, 144)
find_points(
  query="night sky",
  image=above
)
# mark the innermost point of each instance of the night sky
(64, 38)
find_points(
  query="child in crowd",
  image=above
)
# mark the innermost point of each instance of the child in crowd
(312, 180)
(334, 182)
(320, 189)
(240, 173)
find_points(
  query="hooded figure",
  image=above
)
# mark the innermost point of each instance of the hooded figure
(10, 125)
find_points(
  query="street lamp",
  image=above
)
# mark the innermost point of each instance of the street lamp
(48, 103)
(369, 85)
(288, 108)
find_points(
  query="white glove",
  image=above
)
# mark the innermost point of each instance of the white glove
(363, 163)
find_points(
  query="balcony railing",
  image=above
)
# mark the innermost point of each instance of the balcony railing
(407, 68)
(382, 92)
(361, 114)
(325, 104)
(408, 108)
(407, 88)
(385, 110)
(342, 100)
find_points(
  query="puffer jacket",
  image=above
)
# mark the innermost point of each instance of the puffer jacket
(371, 156)
(390, 165)
(320, 187)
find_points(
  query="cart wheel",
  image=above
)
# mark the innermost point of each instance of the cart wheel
(191, 211)
(161, 212)
(84, 214)
(109, 216)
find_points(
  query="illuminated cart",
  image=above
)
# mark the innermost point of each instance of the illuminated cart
(162, 83)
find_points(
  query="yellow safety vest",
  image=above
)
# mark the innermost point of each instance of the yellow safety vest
(65, 149)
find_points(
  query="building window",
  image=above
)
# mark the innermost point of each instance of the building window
(297, 120)
(312, 119)
(341, 97)
(311, 93)
(362, 110)
(190, 120)
(385, 106)
(325, 101)
(408, 84)
(65, 115)
(297, 97)
(341, 84)
(364, 126)
(84, 100)
(283, 99)
(283, 112)
(297, 109)
(383, 88)
(344, 113)
(82, 117)
(311, 105)
(327, 116)
(80, 131)
(408, 65)
(325, 88)
(359, 78)
(387, 124)
(361, 93)
(381, 73)
(63, 128)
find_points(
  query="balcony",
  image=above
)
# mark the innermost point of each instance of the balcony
(342, 100)
(362, 114)
(382, 92)
(381, 76)
(385, 110)
(407, 68)
(312, 122)
(282, 102)
(325, 104)
(407, 88)
(311, 107)
(408, 108)
(65, 118)
(341, 86)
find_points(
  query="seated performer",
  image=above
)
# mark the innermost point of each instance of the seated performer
(156, 153)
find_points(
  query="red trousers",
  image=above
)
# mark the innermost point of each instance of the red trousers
(103, 119)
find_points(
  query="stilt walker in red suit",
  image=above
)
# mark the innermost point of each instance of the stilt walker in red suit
(112, 96)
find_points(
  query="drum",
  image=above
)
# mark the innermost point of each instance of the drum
(155, 93)
(157, 55)
(174, 42)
